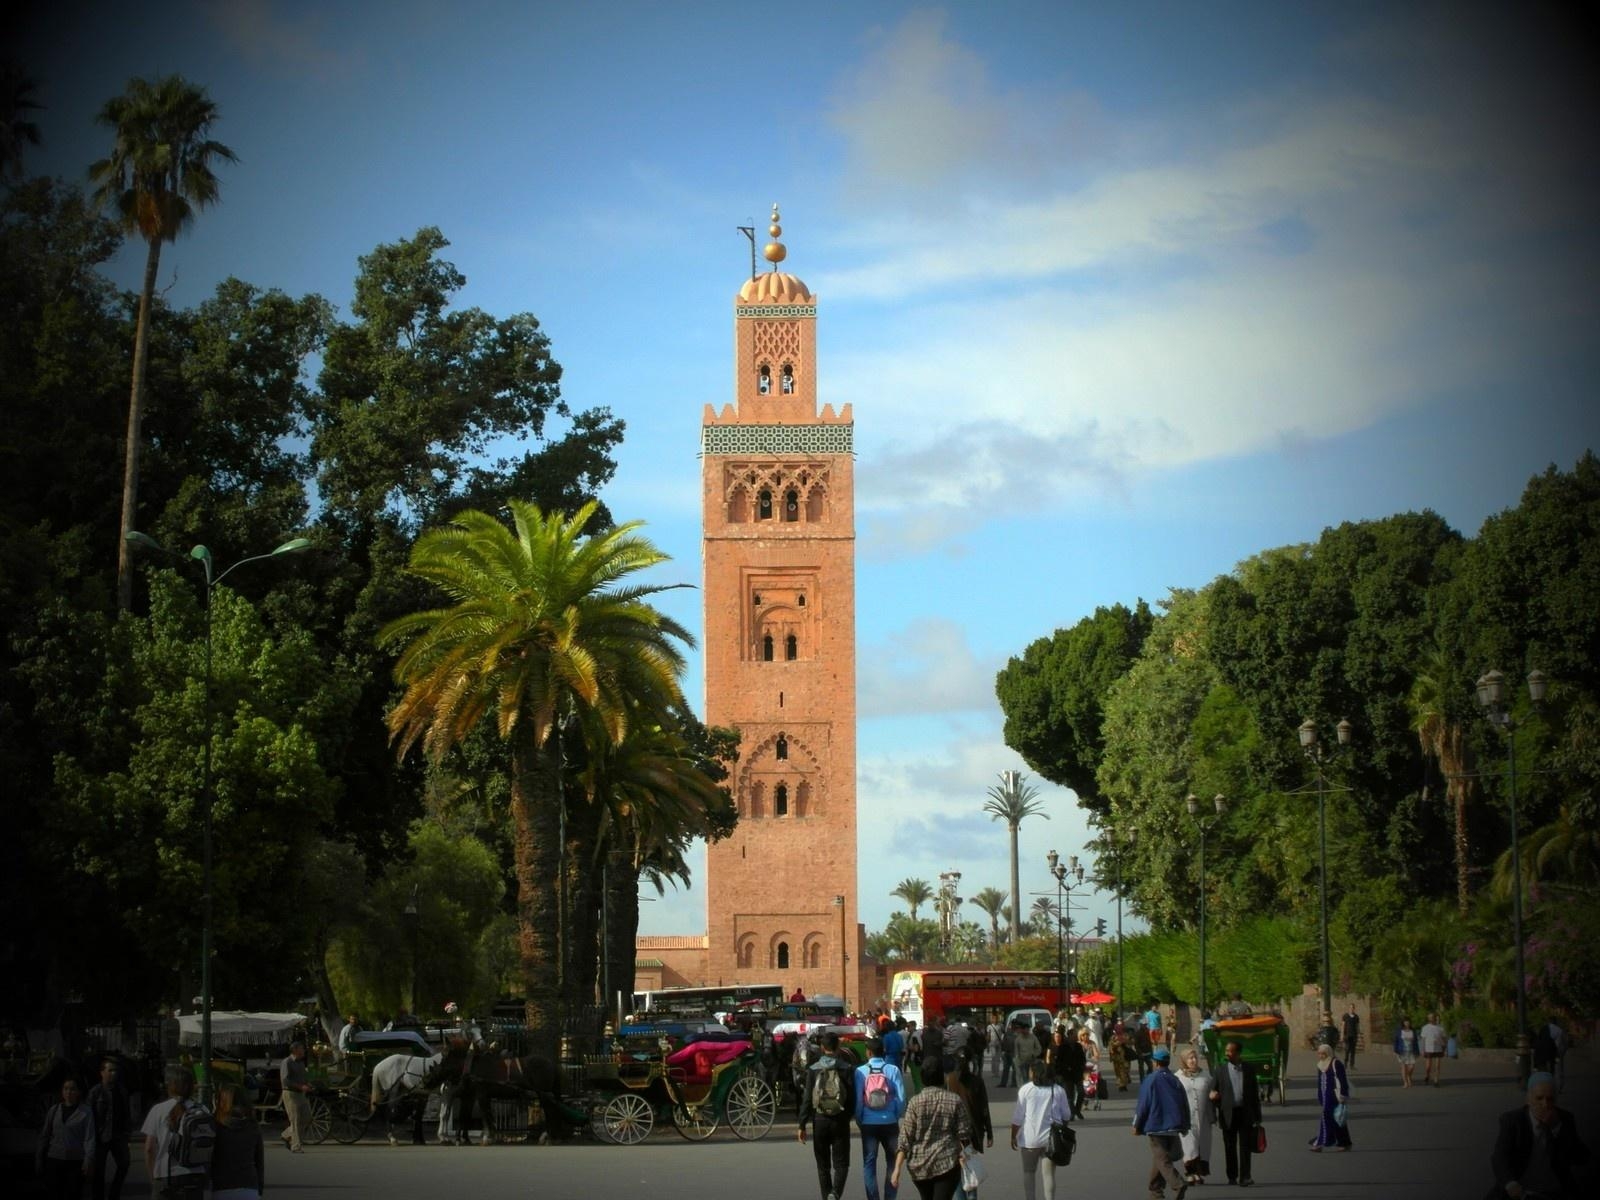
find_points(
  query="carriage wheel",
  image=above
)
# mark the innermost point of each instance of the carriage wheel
(319, 1122)
(696, 1122)
(628, 1119)
(750, 1107)
(350, 1117)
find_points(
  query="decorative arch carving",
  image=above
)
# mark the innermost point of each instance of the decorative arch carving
(763, 771)
(747, 951)
(811, 950)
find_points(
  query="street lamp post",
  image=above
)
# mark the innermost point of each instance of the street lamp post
(1314, 749)
(1122, 982)
(413, 922)
(844, 958)
(1492, 696)
(1062, 871)
(213, 577)
(948, 903)
(1204, 824)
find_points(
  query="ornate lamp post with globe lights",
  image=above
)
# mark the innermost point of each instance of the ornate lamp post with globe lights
(1065, 874)
(1493, 698)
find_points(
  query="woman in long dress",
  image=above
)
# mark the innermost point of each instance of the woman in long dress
(1333, 1089)
(1202, 1093)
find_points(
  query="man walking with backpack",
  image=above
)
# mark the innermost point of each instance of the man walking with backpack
(827, 1101)
(880, 1095)
(178, 1136)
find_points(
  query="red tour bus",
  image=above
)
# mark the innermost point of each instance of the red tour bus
(972, 995)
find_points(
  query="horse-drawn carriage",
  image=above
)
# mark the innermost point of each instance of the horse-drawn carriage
(699, 1087)
(1263, 1047)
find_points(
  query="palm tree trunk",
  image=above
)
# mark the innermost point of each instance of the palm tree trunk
(622, 924)
(583, 901)
(1016, 890)
(130, 459)
(536, 848)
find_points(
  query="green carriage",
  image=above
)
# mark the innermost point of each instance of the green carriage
(1263, 1047)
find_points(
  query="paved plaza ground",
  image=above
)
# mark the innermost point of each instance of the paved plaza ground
(1412, 1145)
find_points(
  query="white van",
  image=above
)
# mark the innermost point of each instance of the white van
(1033, 1017)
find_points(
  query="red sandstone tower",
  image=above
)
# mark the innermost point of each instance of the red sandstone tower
(780, 653)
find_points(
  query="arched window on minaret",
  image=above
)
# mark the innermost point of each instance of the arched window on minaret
(766, 647)
(764, 380)
(764, 505)
(786, 381)
(791, 505)
(780, 800)
(781, 749)
(783, 956)
(791, 648)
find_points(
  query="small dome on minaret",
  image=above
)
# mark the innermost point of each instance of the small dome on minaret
(775, 286)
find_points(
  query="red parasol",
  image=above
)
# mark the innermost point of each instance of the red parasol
(1093, 998)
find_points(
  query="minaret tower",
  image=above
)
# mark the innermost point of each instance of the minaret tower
(780, 652)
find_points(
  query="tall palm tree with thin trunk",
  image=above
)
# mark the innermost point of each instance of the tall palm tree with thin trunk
(991, 901)
(158, 174)
(1443, 736)
(915, 892)
(17, 129)
(538, 624)
(1013, 800)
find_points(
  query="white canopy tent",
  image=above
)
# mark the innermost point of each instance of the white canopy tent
(240, 1028)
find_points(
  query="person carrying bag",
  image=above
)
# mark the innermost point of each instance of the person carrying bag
(1041, 1106)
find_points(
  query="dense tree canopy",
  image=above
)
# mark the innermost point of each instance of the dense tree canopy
(1387, 623)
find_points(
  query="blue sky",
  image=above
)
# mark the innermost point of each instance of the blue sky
(1121, 294)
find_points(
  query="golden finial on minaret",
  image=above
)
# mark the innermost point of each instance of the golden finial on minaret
(775, 252)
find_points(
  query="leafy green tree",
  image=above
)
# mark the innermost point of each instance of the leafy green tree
(159, 172)
(538, 623)
(1013, 800)
(1052, 694)
(915, 892)
(129, 808)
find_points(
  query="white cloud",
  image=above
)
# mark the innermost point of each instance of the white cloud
(927, 667)
(1314, 264)
(262, 30)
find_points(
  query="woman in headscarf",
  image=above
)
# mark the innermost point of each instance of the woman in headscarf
(1202, 1092)
(1333, 1092)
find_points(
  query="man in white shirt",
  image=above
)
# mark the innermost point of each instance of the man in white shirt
(160, 1164)
(994, 1034)
(1431, 1040)
(351, 1028)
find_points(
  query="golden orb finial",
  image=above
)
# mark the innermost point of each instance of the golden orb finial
(775, 251)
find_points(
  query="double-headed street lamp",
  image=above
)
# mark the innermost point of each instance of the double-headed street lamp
(1318, 753)
(1493, 697)
(1063, 872)
(1204, 824)
(213, 577)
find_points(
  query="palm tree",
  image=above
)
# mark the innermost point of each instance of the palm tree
(16, 130)
(1012, 800)
(1043, 918)
(654, 800)
(915, 892)
(537, 626)
(991, 902)
(1444, 738)
(1563, 856)
(158, 174)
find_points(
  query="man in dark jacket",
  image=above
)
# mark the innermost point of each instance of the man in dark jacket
(1538, 1150)
(1238, 1099)
(113, 1122)
(829, 1108)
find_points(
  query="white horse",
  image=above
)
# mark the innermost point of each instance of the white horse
(396, 1077)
